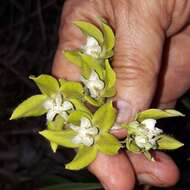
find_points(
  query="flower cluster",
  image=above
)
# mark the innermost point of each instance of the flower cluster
(69, 121)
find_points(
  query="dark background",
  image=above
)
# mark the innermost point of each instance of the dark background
(28, 40)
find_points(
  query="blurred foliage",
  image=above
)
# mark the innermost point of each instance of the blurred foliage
(28, 41)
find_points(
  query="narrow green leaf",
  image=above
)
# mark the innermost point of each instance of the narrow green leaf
(84, 157)
(47, 84)
(157, 114)
(75, 117)
(105, 116)
(108, 144)
(73, 186)
(110, 80)
(71, 89)
(63, 138)
(109, 37)
(90, 30)
(32, 106)
(166, 142)
(74, 57)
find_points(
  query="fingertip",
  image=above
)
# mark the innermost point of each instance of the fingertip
(114, 172)
(163, 172)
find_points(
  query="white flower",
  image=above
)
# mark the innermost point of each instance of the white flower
(92, 47)
(94, 84)
(147, 135)
(56, 106)
(86, 132)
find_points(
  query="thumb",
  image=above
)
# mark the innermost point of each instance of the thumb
(136, 61)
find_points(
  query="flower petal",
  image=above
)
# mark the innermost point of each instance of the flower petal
(85, 122)
(149, 123)
(50, 115)
(48, 104)
(67, 105)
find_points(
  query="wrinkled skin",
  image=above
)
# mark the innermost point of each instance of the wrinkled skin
(152, 63)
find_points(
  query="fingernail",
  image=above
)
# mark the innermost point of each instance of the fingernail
(124, 111)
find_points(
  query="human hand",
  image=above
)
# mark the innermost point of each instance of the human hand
(150, 60)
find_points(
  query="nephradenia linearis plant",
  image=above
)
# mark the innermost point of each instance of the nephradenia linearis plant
(69, 121)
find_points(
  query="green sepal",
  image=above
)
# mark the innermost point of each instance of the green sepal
(74, 57)
(109, 37)
(57, 124)
(131, 145)
(84, 157)
(110, 81)
(157, 114)
(90, 30)
(108, 144)
(63, 138)
(71, 89)
(79, 106)
(91, 64)
(166, 142)
(54, 146)
(31, 107)
(94, 102)
(148, 155)
(75, 117)
(47, 84)
(105, 117)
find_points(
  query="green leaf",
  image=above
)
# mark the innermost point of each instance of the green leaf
(74, 57)
(47, 84)
(110, 80)
(63, 138)
(76, 116)
(71, 89)
(79, 106)
(73, 186)
(166, 142)
(94, 102)
(108, 144)
(109, 37)
(157, 114)
(84, 157)
(105, 116)
(32, 106)
(92, 64)
(90, 30)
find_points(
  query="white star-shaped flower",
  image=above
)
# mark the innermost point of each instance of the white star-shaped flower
(86, 132)
(92, 47)
(56, 106)
(148, 134)
(93, 84)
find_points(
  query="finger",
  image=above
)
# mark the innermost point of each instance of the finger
(70, 37)
(162, 172)
(176, 70)
(137, 57)
(114, 172)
